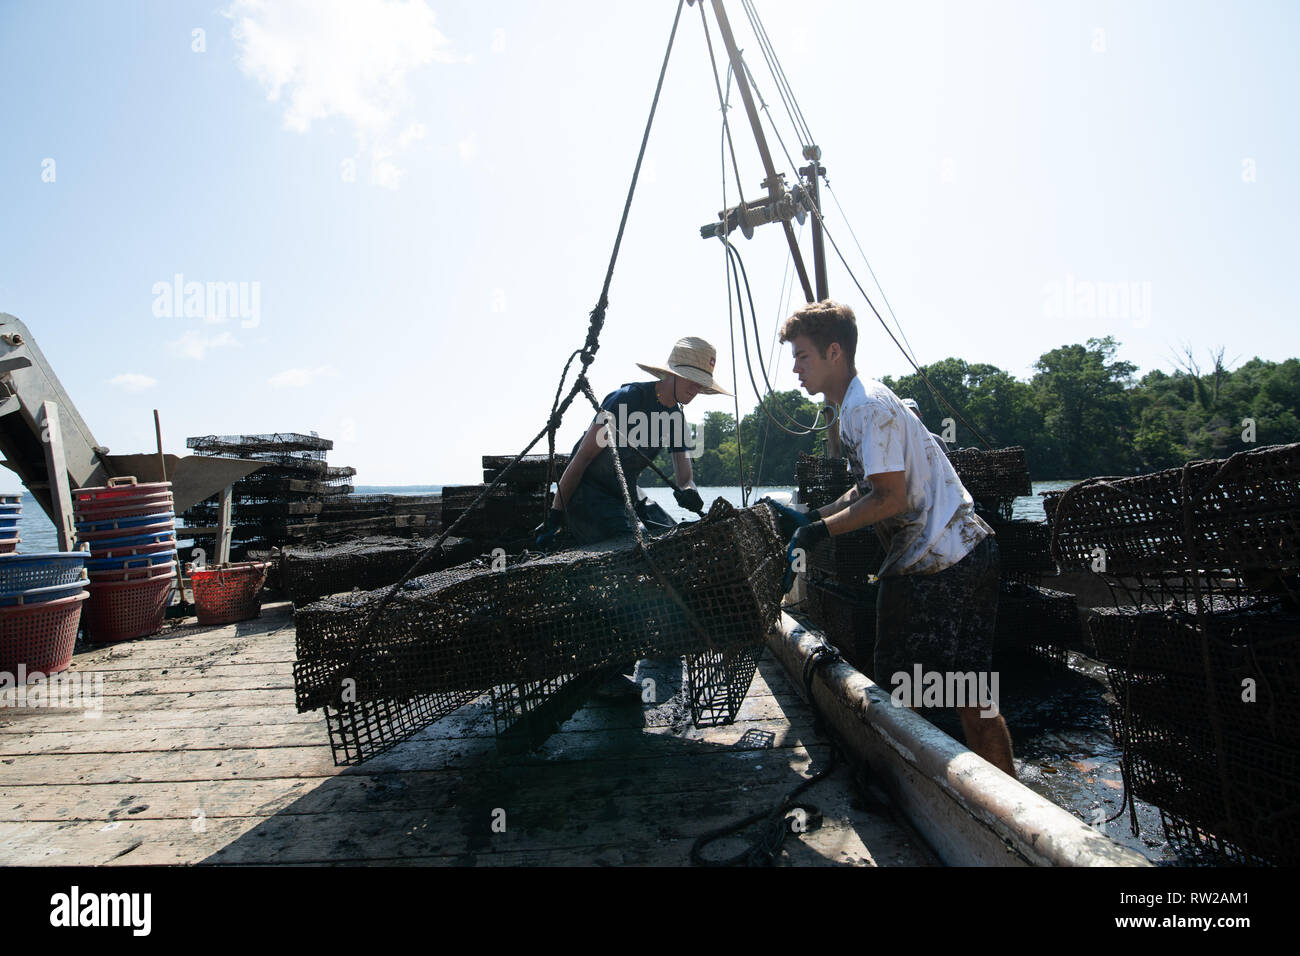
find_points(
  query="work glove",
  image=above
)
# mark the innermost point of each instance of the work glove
(548, 529)
(804, 539)
(689, 499)
(789, 519)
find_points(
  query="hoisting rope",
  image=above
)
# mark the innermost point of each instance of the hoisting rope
(596, 322)
(777, 824)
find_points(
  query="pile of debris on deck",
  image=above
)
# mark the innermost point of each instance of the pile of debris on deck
(1202, 646)
(841, 578)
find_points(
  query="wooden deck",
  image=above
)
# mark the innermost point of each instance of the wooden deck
(200, 757)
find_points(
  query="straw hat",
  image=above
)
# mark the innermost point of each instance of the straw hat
(693, 359)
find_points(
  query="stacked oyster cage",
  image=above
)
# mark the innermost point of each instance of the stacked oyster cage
(297, 497)
(540, 629)
(1202, 646)
(287, 491)
(514, 508)
(316, 565)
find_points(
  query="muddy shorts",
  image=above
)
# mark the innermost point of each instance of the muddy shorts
(943, 621)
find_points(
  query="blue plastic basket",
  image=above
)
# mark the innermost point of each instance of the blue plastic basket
(7, 522)
(138, 521)
(135, 541)
(135, 561)
(41, 595)
(20, 572)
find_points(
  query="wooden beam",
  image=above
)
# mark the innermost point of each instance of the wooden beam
(224, 526)
(57, 467)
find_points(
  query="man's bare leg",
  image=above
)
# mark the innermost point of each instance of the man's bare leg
(988, 737)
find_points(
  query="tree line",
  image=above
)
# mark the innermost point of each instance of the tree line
(1082, 413)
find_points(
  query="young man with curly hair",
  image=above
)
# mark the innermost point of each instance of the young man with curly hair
(938, 584)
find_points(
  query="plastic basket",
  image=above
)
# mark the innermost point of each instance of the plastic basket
(145, 504)
(134, 573)
(20, 572)
(106, 527)
(132, 561)
(40, 595)
(9, 545)
(130, 551)
(223, 595)
(119, 611)
(100, 547)
(40, 637)
(118, 489)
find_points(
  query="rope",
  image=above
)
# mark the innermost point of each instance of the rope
(776, 826)
(587, 354)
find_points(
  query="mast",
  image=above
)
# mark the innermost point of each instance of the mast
(777, 197)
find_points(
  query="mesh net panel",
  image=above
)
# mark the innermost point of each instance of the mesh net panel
(469, 629)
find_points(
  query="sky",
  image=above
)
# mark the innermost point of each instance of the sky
(397, 214)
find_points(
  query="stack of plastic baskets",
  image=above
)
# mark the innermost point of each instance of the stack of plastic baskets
(40, 610)
(131, 532)
(11, 507)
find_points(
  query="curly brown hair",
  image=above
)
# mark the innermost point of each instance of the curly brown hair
(825, 322)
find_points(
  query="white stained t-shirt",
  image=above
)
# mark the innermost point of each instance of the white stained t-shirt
(939, 527)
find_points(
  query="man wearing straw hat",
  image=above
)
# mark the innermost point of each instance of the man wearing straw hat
(636, 421)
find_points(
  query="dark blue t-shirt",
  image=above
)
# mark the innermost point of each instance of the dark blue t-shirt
(640, 423)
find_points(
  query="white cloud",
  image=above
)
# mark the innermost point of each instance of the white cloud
(346, 58)
(468, 148)
(299, 377)
(133, 381)
(195, 345)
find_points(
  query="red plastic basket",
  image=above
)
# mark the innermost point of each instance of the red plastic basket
(40, 636)
(119, 611)
(123, 508)
(229, 593)
(118, 489)
(9, 545)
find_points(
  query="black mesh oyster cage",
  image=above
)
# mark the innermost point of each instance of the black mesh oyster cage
(1240, 514)
(708, 586)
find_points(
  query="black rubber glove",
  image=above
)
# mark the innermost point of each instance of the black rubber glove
(547, 530)
(689, 499)
(790, 520)
(804, 539)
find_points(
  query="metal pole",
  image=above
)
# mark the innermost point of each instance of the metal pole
(773, 181)
(813, 173)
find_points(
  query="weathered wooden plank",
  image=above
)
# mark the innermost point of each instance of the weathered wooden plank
(633, 822)
(91, 737)
(531, 783)
(421, 751)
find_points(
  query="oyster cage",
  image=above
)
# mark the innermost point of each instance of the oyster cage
(1240, 513)
(469, 630)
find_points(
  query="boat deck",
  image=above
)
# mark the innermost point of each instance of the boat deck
(199, 756)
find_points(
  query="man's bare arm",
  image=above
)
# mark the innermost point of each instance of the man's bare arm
(888, 498)
(839, 504)
(682, 470)
(577, 467)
